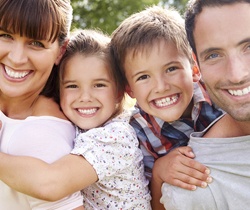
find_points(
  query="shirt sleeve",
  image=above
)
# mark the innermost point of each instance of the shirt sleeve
(109, 149)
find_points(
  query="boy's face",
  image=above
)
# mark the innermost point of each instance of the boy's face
(87, 91)
(161, 79)
(222, 38)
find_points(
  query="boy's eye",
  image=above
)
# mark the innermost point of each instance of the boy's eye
(142, 77)
(173, 68)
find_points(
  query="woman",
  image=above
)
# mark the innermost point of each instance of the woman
(33, 37)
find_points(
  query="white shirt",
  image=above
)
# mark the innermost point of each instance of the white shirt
(113, 151)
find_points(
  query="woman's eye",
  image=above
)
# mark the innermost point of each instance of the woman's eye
(37, 44)
(7, 36)
(142, 77)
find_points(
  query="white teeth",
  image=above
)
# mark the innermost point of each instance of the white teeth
(87, 111)
(16, 74)
(166, 101)
(240, 92)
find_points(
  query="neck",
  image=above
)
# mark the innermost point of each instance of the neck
(17, 108)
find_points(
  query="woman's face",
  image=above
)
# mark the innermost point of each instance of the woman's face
(25, 64)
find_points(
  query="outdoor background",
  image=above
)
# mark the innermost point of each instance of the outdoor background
(108, 14)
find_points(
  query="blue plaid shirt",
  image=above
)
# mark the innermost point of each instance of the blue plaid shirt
(157, 137)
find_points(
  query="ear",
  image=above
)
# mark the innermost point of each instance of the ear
(129, 91)
(196, 73)
(62, 51)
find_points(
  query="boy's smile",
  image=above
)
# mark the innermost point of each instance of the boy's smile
(166, 101)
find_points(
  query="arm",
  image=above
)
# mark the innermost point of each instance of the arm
(46, 181)
(178, 168)
(156, 193)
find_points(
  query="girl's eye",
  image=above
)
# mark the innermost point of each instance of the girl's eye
(100, 85)
(71, 86)
(143, 77)
(37, 44)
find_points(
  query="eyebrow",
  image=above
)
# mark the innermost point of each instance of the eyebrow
(95, 80)
(206, 51)
(244, 41)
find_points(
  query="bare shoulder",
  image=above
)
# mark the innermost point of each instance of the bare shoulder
(225, 127)
(47, 107)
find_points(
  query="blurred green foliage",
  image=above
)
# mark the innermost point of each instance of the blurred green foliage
(108, 14)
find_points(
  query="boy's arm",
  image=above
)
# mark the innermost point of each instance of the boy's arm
(49, 182)
(155, 187)
(178, 168)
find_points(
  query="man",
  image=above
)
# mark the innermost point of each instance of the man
(219, 34)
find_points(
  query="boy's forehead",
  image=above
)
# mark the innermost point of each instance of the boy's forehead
(144, 48)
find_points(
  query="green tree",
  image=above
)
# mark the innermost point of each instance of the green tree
(105, 14)
(178, 4)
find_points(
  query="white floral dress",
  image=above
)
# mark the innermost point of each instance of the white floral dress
(113, 151)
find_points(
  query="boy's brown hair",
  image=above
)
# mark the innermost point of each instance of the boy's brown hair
(143, 29)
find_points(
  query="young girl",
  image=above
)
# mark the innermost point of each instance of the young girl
(106, 161)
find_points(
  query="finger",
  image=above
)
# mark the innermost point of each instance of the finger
(197, 166)
(189, 182)
(184, 185)
(187, 151)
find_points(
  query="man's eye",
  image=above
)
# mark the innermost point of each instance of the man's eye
(212, 56)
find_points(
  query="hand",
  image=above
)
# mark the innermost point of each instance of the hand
(178, 168)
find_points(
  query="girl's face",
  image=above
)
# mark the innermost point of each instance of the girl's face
(87, 91)
(25, 64)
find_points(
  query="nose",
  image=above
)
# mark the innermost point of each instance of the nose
(85, 95)
(17, 54)
(238, 69)
(161, 85)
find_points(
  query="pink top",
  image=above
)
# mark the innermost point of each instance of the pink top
(44, 137)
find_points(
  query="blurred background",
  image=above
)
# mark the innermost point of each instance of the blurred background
(108, 14)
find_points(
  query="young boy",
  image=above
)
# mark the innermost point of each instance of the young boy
(151, 50)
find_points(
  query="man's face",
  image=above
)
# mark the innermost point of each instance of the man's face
(222, 39)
